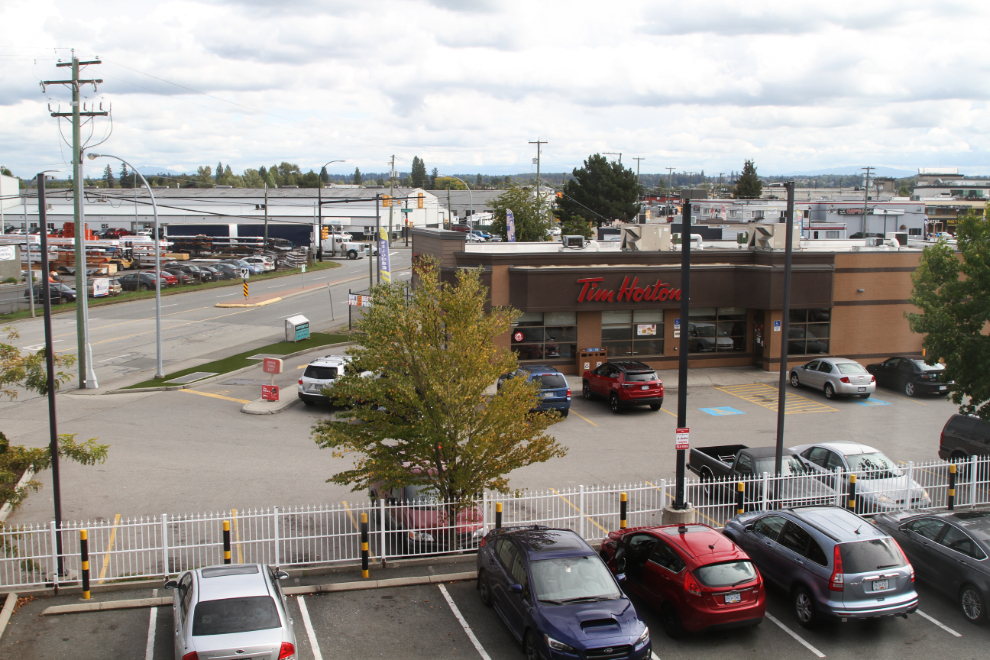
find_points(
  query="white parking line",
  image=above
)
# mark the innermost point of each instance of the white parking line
(464, 624)
(227, 295)
(309, 628)
(940, 624)
(796, 636)
(149, 650)
(163, 307)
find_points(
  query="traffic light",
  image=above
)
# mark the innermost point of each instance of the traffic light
(386, 200)
(325, 233)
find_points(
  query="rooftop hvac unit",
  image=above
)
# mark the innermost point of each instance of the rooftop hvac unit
(645, 238)
(573, 241)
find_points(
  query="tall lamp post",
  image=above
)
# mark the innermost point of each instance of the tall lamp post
(159, 371)
(470, 194)
(319, 235)
(784, 326)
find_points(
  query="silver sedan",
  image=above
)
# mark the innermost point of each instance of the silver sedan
(835, 376)
(232, 611)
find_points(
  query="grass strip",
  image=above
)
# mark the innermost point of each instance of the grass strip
(239, 361)
(127, 296)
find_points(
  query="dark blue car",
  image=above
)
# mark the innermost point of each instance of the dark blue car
(557, 596)
(555, 393)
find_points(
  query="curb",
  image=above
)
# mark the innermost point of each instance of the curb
(280, 406)
(8, 610)
(172, 388)
(138, 603)
(257, 304)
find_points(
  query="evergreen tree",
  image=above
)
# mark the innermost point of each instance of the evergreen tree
(418, 174)
(357, 176)
(381, 182)
(108, 177)
(601, 191)
(262, 172)
(324, 175)
(478, 181)
(433, 178)
(227, 172)
(219, 173)
(270, 180)
(126, 178)
(749, 185)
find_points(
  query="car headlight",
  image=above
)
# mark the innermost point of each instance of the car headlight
(558, 646)
(421, 536)
(644, 638)
(479, 533)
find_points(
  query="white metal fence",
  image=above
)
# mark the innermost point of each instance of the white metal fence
(321, 535)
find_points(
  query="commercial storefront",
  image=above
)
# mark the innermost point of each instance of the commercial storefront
(843, 303)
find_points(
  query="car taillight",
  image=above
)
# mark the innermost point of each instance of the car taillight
(873, 379)
(287, 651)
(300, 381)
(904, 557)
(844, 379)
(191, 656)
(837, 581)
(568, 393)
(691, 585)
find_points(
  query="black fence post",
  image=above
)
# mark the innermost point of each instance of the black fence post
(226, 541)
(364, 545)
(498, 515)
(852, 493)
(952, 487)
(84, 555)
(740, 497)
(623, 503)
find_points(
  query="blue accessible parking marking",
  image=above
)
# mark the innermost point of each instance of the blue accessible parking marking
(721, 412)
(873, 402)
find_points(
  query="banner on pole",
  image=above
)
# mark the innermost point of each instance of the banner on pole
(357, 300)
(510, 223)
(383, 259)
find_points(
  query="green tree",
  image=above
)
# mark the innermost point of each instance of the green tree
(532, 224)
(357, 176)
(433, 178)
(252, 179)
(418, 174)
(204, 175)
(953, 295)
(904, 191)
(263, 172)
(126, 177)
(748, 186)
(108, 179)
(438, 349)
(324, 175)
(270, 180)
(6, 172)
(310, 180)
(600, 191)
(448, 183)
(478, 181)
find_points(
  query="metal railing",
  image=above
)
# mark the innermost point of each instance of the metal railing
(160, 546)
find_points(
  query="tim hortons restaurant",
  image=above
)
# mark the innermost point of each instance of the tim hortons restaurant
(847, 300)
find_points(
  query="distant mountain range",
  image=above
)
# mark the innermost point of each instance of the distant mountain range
(149, 170)
(845, 171)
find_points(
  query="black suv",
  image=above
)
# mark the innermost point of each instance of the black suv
(964, 436)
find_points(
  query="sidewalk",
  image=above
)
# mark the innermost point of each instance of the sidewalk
(704, 377)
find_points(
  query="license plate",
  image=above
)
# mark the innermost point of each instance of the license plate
(862, 389)
(732, 598)
(645, 387)
(880, 585)
(941, 388)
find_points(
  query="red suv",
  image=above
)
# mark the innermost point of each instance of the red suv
(696, 578)
(624, 383)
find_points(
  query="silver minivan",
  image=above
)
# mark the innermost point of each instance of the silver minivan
(832, 563)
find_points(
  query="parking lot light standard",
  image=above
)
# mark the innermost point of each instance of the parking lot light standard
(784, 326)
(159, 371)
(682, 363)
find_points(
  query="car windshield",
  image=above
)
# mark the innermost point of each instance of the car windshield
(866, 556)
(874, 464)
(643, 377)
(850, 368)
(789, 465)
(320, 373)
(570, 579)
(728, 574)
(235, 615)
(549, 381)
(421, 495)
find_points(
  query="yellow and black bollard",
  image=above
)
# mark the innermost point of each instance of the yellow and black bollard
(226, 541)
(364, 545)
(623, 502)
(952, 486)
(740, 497)
(498, 515)
(245, 289)
(852, 493)
(84, 555)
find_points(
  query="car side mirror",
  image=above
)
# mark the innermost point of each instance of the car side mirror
(516, 588)
(171, 584)
(620, 578)
(282, 575)
(748, 528)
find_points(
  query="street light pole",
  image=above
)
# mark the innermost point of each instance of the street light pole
(784, 329)
(159, 370)
(319, 234)
(682, 367)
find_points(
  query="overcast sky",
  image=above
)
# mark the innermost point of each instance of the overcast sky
(466, 84)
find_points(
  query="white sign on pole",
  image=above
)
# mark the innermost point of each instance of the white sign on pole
(6, 252)
(245, 273)
(681, 439)
(356, 300)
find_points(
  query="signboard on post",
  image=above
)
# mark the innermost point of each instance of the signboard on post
(272, 366)
(510, 224)
(269, 392)
(6, 252)
(383, 260)
(776, 326)
(358, 300)
(245, 273)
(681, 439)
(677, 328)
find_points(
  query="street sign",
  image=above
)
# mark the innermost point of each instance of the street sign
(269, 392)
(245, 273)
(272, 366)
(776, 326)
(681, 439)
(356, 300)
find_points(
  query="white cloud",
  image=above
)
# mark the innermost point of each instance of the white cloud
(465, 85)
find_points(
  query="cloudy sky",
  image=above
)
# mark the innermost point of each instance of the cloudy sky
(466, 84)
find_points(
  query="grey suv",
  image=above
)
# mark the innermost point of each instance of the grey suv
(964, 436)
(833, 563)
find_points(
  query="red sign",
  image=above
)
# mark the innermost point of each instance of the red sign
(658, 291)
(272, 366)
(269, 392)
(518, 336)
(681, 439)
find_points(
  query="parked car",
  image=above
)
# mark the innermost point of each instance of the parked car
(964, 436)
(693, 576)
(474, 238)
(267, 263)
(253, 269)
(555, 394)
(722, 467)
(949, 550)
(910, 375)
(168, 279)
(319, 375)
(880, 484)
(181, 275)
(214, 274)
(223, 611)
(59, 293)
(483, 235)
(833, 563)
(144, 281)
(194, 273)
(624, 383)
(835, 376)
(226, 271)
(557, 597)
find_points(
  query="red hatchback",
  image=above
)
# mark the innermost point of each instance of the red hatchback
(696, 578)
(624, 383)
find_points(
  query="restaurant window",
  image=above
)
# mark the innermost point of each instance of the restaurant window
(545, 336)
(717, 329)
(808, 333)
(636, 333)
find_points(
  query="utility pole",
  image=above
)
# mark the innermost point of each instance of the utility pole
(637, 168)
(265, 246)
(539, 184)
(670, 188)
(391, 199)
(87, 377)
(866, 200)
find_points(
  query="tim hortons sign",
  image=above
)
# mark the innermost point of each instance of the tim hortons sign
(592, 291)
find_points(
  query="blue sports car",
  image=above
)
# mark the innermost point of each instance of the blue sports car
(557, 596)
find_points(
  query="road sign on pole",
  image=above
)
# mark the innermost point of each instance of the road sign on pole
(681, 439)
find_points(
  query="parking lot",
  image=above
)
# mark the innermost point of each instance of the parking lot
(421, 622)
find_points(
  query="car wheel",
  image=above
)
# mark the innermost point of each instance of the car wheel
(655, 406)
(795, 382)
(671, 621)
(829, 391)
(586, 390)
(530, 646)
(973, 606)
(613, 402)
(804, 607)
(352, 255)
(909, 388)
(484, 589)
(564, 413)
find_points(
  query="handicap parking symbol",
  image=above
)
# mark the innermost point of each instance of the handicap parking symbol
(873, 402)
(721, 412)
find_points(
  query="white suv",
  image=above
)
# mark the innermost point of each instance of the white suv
(319, 374)
(267, 263)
